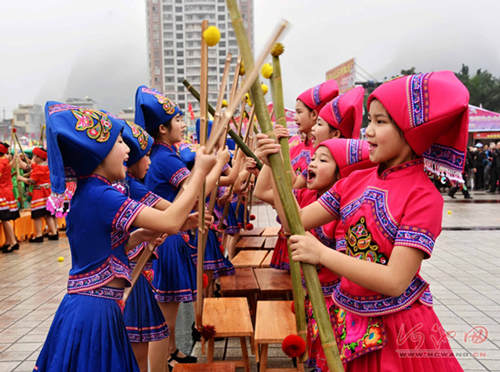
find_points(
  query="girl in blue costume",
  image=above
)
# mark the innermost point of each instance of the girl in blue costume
(88, 332)
(174, 271)
(143, 317)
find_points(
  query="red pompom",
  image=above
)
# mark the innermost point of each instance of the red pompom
(208, 331)
(222, 249)
(205, 281)
(30, 194)
(293, 346)
(14, 130)
(293, 307)
(19, 199)
(249, 226)
(252, 217)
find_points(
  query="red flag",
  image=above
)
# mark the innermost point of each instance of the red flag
(190, 109)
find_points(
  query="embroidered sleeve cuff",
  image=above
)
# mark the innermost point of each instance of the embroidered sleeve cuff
(304, 174)
(179, 176)
(415, 237)
(330, 200)
(150, 199)
(126, 215)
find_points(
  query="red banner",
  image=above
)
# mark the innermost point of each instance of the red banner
(344, 74)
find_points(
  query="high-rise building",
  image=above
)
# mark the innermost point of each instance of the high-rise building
(174, 42)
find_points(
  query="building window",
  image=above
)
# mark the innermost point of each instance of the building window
(157, 70)
(180, 71)
(180, 53)
(180, 45)
(154, 1)
(178, 27)
(178, 18)
(178, 36)
(157, 54)
(221, 8)
(21, 117)
(222, 17)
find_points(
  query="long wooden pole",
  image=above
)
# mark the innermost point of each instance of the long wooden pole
(215, 126)
(287, 198)
(201, 196)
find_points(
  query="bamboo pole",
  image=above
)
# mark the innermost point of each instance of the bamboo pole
(280, 118)
(201, 197)
(287, 198)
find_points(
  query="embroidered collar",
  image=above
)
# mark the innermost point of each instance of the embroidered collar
(412, 166)
(98, 176)
(170, 147)
(130, 175)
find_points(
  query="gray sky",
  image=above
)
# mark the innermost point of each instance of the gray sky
(54, 49)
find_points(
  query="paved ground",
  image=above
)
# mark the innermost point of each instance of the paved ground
(464, 273)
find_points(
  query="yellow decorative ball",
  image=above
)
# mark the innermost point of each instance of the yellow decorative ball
(265, 88)
(277, 50)
(449, 212)
(211, 36)
(266, 71)
(224, 103)
(248, 100)
(60, 259)
(242, 69)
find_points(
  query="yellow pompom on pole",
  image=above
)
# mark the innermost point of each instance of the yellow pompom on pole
(211, 36)
(224, 103)
(242, 69)
(60, 259)
(265, 88)
(266, 71)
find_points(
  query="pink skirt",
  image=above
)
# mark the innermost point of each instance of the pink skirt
(415, 342)
(280, 259)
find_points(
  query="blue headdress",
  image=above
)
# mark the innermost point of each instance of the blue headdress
(78, 140)
(153, 109)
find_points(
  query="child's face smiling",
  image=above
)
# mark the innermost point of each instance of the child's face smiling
(322, 131)
(387, 146)
(321, 172)
(112, 167)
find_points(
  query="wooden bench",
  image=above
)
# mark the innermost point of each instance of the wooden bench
(274, 322)
(231, 318)
(242, 283)
(256, 231)
(270, 242)
(250, 242)
(271, 231)
(273, 283)
(267, 261)
(204, 367)
(249, 259)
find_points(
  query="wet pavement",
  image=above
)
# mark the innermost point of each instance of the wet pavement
(464, 277)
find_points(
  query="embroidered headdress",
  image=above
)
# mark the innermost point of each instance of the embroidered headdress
(41, 153)
(78, 140)
(138, 140)
(432, 110)
(153, 109)
(345, 112)
(349, 154)
(316, 97)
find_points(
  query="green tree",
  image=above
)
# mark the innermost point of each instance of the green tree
(484, 88)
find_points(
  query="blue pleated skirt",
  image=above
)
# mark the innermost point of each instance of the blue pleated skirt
(87, 334)
(214, 259)
(142, 315)
(174, 271)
